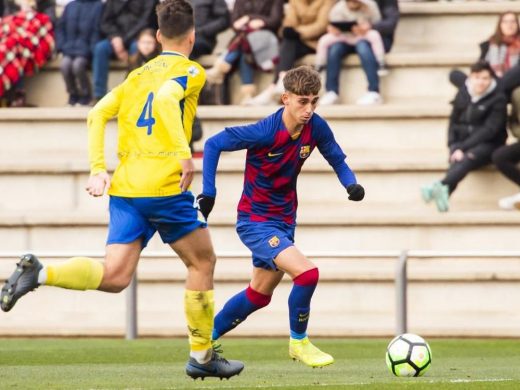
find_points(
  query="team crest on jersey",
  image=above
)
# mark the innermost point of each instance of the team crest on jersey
(274, 242)
(193, 71)
(305, 150)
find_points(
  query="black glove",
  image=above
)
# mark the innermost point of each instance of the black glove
(205, 204)
(290, 33)
(356, 192)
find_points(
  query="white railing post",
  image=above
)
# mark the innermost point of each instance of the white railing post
(131, 309)
(401, 281)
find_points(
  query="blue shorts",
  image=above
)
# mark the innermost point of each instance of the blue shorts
(132, 218)
(266, 240)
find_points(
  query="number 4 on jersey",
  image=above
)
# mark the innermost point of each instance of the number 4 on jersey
(146, 119)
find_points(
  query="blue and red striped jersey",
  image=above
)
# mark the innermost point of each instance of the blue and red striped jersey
(274, 161)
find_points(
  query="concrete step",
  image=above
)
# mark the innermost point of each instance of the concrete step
(319, 228)
(405, 83)
(387, 185)
(458, 297)
(60, 134)
(448, 26)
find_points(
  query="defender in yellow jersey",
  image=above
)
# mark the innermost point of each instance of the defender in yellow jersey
(149, 191)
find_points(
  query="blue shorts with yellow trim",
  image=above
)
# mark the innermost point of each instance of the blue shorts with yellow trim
(133, 218)
(266, 240)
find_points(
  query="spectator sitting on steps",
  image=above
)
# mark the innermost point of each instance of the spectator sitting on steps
(477, 128)
(253, 22)
(77, 33)
(346, 24)
(389, 10)
(507, 157)
(305, 22)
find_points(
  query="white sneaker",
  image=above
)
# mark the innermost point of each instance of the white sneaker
(370, 99)
(279, 87)
(510, 202)
(329, 98)
(264, 98)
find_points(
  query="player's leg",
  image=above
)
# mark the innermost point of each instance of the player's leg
(196, 251)
(77, 273)
(255, 296)
(305, 277)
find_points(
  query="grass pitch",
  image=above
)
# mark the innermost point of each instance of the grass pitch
(159, 364)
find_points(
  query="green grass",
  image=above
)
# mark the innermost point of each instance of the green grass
(159, 364)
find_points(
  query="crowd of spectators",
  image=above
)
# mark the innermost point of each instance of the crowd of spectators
(270, 35)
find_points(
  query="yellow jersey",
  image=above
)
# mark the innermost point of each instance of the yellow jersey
(155, 108)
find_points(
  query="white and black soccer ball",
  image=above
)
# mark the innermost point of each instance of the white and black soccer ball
(408, 355)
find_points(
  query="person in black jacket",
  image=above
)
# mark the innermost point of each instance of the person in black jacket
(121, 23)
(477, 128)
(77, 33)
(211, 18)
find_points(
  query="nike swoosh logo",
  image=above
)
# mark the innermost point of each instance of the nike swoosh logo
(273, 154)
(202, 368)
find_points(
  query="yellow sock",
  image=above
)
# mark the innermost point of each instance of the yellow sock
(77, 273)
(199, 310)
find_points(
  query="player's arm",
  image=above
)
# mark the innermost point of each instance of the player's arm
(334, 155)
(106, 109)
(167, 107)
(228, 140)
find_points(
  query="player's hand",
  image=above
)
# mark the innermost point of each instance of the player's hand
(356, 192)
(188, 170)
(205, 204)
(97, 184)
(290, 33)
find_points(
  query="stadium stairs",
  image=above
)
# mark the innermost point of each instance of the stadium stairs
(394, 148)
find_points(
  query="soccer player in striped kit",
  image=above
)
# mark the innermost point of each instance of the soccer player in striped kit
(277, 148)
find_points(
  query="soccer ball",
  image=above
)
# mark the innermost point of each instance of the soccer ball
(408, 355)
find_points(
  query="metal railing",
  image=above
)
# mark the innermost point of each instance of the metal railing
(401, 273)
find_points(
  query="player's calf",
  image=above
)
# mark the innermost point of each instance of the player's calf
(23, 279)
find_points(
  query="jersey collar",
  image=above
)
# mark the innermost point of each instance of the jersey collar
(172, 53)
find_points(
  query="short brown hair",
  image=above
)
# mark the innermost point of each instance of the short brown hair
(302, 81)
(482, 66)
(175, 18)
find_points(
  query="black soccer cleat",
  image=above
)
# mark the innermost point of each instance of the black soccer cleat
(217, 367)
(23, 280)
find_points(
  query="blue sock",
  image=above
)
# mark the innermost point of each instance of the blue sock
(237, 309)
(300, 302)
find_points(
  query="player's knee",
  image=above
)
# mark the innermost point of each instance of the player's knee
(256, 298)
(114, 282)
(307, 278)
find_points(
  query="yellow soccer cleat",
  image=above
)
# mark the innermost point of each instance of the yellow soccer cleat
(304, 351)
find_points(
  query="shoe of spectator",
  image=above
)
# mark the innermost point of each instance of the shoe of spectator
(247, 91)
(370, 99)
(84, 100)
(329, 98)
(510, 202)
(216, 74)
(264, 98)
(427, 193)
(279, 88)
(73, 100)
(441, 195)
(382, 71)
